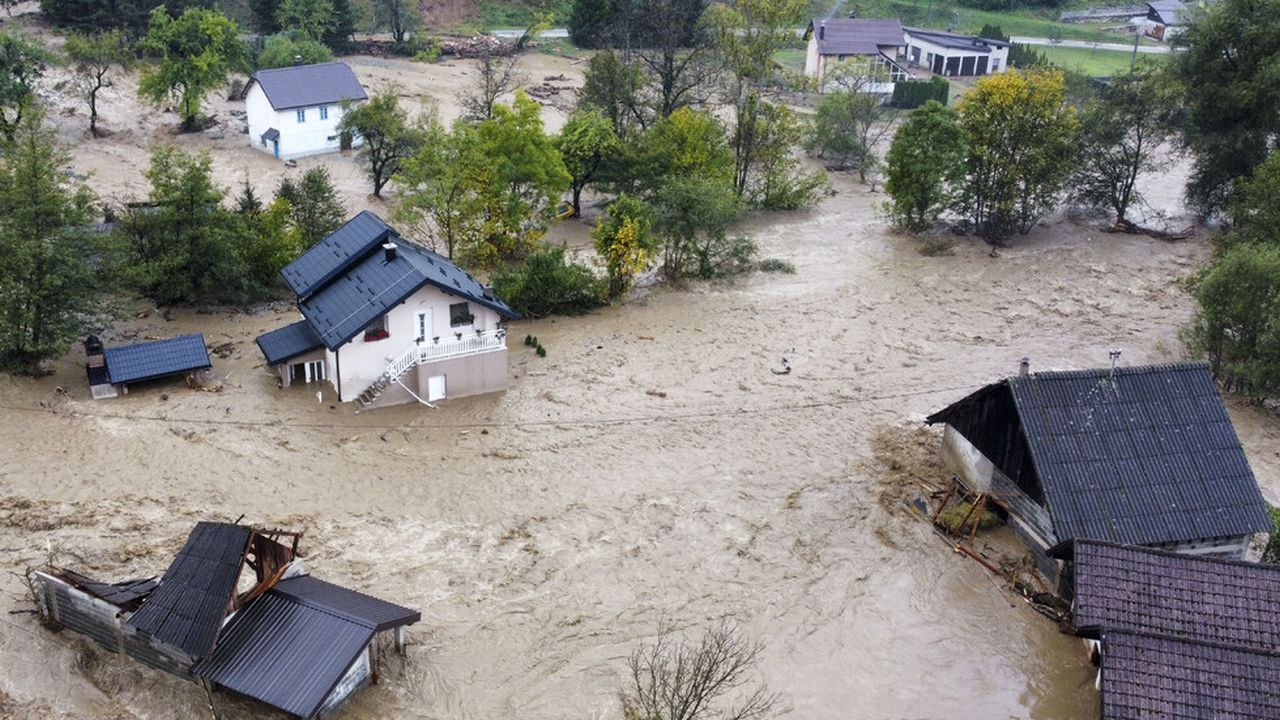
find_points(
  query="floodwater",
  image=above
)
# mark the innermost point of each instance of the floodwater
(652, 468)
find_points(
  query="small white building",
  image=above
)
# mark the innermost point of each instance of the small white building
(875, 42)
(295, 111)
(1165, 19)
(387, 321)
(953, 55)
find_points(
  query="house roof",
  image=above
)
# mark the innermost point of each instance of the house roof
(187, 609)
(155, 359)
(291, 646)
(1122, 588)
(1146, 455)
(1169, 12)
(271, 135)
(1149, 676)
(121, 594)
(288, 342)
(955, 40)
(855, 36)
(308, 85)
(344, 282)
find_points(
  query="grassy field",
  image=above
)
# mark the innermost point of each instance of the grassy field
(1094, 63)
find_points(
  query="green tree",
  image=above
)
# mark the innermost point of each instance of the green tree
(388, 133)
(441, 184)
(782, 182)
(1238, 322)
(1255, 205)
(1021, 137)
(342, 27)
(610, 87)
(195, 53)
(282, 50)
(624, 239)
(591, 23)
(849, 122)
(693, 213)
(269, 240)
(1231, 89)
(129, 16)
(586, 143)
(314, 208)
(50, 287)
(398, 17)
(925, 165)
(1120, 132)
(312, 19)
(94, 56)
(688, 143)
(264, 16)
(548, 284)
(23, 61)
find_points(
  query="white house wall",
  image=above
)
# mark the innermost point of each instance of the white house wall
(297, 139)
(998, 55)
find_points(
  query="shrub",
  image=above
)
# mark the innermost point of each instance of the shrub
(911, 94)
(776, 265)
(547, 284)
(1272, 552)
(282, 49)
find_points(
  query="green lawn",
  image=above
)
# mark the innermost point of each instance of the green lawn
(790, 59)
(1094, 63)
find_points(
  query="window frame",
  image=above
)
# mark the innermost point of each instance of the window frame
(302, 115)
(457, 319)
(324, 112)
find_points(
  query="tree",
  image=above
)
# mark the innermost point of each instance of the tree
(548, 284)
(314, 208)
(1231, 90)
(264, 15)
(590, 23)
(679, 679)
(585, 143)
(389, 135)
(398, 17)
(1119, 134)
(312, 19)
(1021, 138)
(195, 53)
(23, 61)
(782, 182)
(610, 86)
(129, 16)
(497, 77)
(441, 184)
(693, 213)
(850, 121)
(50, 286)
(283, 50)
(1255, 205)
(925, 165)
(1238, 322)
(93, 57)
(624, 238)
(342, 27)
(689, 143)
(672, 45)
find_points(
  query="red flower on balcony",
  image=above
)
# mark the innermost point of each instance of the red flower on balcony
(374, 335)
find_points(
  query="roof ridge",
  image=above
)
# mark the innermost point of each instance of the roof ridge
(1179, 366)
(321, 607)
(1148, 550)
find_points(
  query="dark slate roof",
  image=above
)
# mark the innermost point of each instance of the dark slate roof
(1130, 589)
(1148, 457)
(356, 606)
(288, 342)
(856, 36)
(969, 43)
(1146, 676)
(120, 594)
(150, 360)
(308, 85)
(344, 283)
(290, 646)
(188, 608)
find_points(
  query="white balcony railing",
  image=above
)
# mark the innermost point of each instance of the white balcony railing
(472, 343)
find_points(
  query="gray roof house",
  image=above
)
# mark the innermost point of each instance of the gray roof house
(876, 42)
(1139, 455)
(955, 55)
(295, 111)
(378, 310)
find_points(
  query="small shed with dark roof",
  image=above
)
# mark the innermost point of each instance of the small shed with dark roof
(1139, 455)
(296, 111)
(115, 368)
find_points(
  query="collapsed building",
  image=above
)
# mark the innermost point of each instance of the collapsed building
(290, 640)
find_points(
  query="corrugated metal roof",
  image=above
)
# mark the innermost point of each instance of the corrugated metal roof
(1147, 457)
(156, 359)
(1146, 676)
(1133, 589)
(856, 36)
(356, 606)
(188, 608)
(120, 594)
(288, 342)
(1169, 12)
(308, 85)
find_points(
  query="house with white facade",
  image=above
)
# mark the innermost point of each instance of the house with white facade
(295, 111)
(953, 55)
(1165, 19)
(386, 321)
(874, 43)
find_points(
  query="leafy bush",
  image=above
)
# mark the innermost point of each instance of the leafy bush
(547, 284)
(282, 49)
(776, 265)
(911, 94)
(1238, 323)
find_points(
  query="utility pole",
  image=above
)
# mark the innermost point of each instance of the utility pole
(1137, 34)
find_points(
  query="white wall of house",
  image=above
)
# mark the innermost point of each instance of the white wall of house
(997, 59)
(312, 135)
(812, 60)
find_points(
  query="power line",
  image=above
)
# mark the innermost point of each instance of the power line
(582, 422)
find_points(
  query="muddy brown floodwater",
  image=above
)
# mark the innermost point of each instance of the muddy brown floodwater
(651, 468)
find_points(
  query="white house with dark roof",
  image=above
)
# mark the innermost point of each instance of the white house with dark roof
(954, 55)
(1165, 19)
(295, 111)
(876, 42)
(386, 321)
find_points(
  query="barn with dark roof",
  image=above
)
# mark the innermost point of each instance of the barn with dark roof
(385, 320)
(1136, 455)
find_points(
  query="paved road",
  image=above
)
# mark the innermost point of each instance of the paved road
(515, 34)
(1089, 45)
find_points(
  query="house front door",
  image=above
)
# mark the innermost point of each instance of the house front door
(422, 326)
(435, 388)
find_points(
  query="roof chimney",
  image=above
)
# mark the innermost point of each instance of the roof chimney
(822, 30)
(389, 251)
(1024, 366)
(297, 60)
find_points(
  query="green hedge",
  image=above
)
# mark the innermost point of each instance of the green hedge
(909, 94)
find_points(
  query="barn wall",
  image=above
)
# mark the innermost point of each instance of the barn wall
(990, 422)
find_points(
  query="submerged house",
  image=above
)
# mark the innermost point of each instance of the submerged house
(1138, 455)
(278, 635)
(875, 43)
(112, 370)
(1177, 636)
(954, 55)
(294, 111)
(386, 321)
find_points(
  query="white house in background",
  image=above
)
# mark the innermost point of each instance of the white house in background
(954, 55)
(875, 42)
(294, 111)
(1165, 19)
(385, 321)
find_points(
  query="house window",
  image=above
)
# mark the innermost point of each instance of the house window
(460, 314)
(307, 372)
(377, 330)
(995, 64)
(324, 112)
(302, 115)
